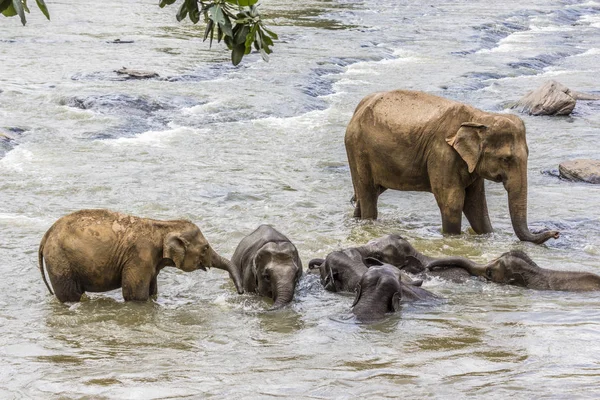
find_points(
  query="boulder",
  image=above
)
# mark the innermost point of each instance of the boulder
(580, 170)
(552, 98)
(136, 73)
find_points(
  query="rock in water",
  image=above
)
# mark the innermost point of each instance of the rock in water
(581, 170)
(136, 74)
(552, 98)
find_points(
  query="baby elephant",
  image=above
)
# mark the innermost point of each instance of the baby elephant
(269, 264)
(101, 250)
(381, 290)
(516, 268)
(342, 273)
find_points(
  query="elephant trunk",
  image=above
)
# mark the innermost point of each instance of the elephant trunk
(234, 272)
(517, 206)
(472, 267)
(283, 290)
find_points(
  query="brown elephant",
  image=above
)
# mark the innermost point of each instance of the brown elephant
(102, 250)
(516, 268)
(406, 140)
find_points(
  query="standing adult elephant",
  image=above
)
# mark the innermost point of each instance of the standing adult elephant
(102, 250)
(406, 140)
(269, 264)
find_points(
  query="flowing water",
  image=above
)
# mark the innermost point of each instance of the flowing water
(230, 148)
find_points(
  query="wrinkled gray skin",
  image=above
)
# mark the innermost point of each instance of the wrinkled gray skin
(101, 250)
(516, 268)
(269, 265)
(381, 291)
(341, 270)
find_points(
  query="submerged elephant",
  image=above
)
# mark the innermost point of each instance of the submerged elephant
(381, 291)
(516, 268)
(269, 264)
(406, 140)
(342, 270)
(102, 250)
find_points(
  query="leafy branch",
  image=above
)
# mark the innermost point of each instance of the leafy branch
(236, 22)
(10, 8)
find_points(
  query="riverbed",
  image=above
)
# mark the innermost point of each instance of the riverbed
(231, 148)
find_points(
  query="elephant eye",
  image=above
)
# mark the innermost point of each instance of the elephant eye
(507, 159)
(488, 273)
(267, 277)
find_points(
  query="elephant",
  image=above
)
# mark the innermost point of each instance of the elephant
(100, 250)
(516, 268)
(381, 291)
(269, 265)
(409, 140)
(341, 270)
(341, 273)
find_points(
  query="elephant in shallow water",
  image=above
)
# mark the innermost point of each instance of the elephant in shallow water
(269, 264)
(101, 250)
(381, 291)
(341, 270)
(406, 140)
(516, 268)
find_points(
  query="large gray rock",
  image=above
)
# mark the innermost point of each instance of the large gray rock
(552, 98)
(581, 170)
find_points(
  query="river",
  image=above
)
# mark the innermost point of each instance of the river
(230, 148)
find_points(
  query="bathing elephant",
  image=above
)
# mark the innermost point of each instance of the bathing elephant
(341, 270)
(341, 273)
(269, 264)
(406, 140)
(102, 250)
(381, 291)
(516, 268)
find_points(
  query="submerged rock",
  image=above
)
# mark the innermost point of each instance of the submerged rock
(552, 98)
(581, 170)
(136, 73)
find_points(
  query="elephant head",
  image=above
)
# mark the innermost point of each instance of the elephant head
(339, 272)
(494, 147)
(187, 249)
(513, 268)
(381, 291)
(276, 270)
(395, 250)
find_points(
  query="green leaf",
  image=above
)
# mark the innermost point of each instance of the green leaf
(10, 10)
(182, 13)
(164, 3)
(241, 35)
(237, 54)
(264, 55)
(217, 15)
(4, 4)
(226, 27)
(209, 27)
(18, 6)
(271, 33)
(24, 3)
(42, 6)
(242, 3)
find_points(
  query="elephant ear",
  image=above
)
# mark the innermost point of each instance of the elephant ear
(358, 294)
(174, 248)
(329, 281)
(395, 302)
(467, 143)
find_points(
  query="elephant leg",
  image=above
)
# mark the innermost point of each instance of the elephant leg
(136, 283)
(475, 207)
(154, 286)
(357, 212)
(357, 209)
(367, 203)
(451, 204)
(66, 289)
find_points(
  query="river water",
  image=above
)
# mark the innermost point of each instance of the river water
(231, 148)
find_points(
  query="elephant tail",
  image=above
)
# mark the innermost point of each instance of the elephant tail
(41, 261)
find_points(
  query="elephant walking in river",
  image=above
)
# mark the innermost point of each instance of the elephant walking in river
(407, 140)
(102, 250)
